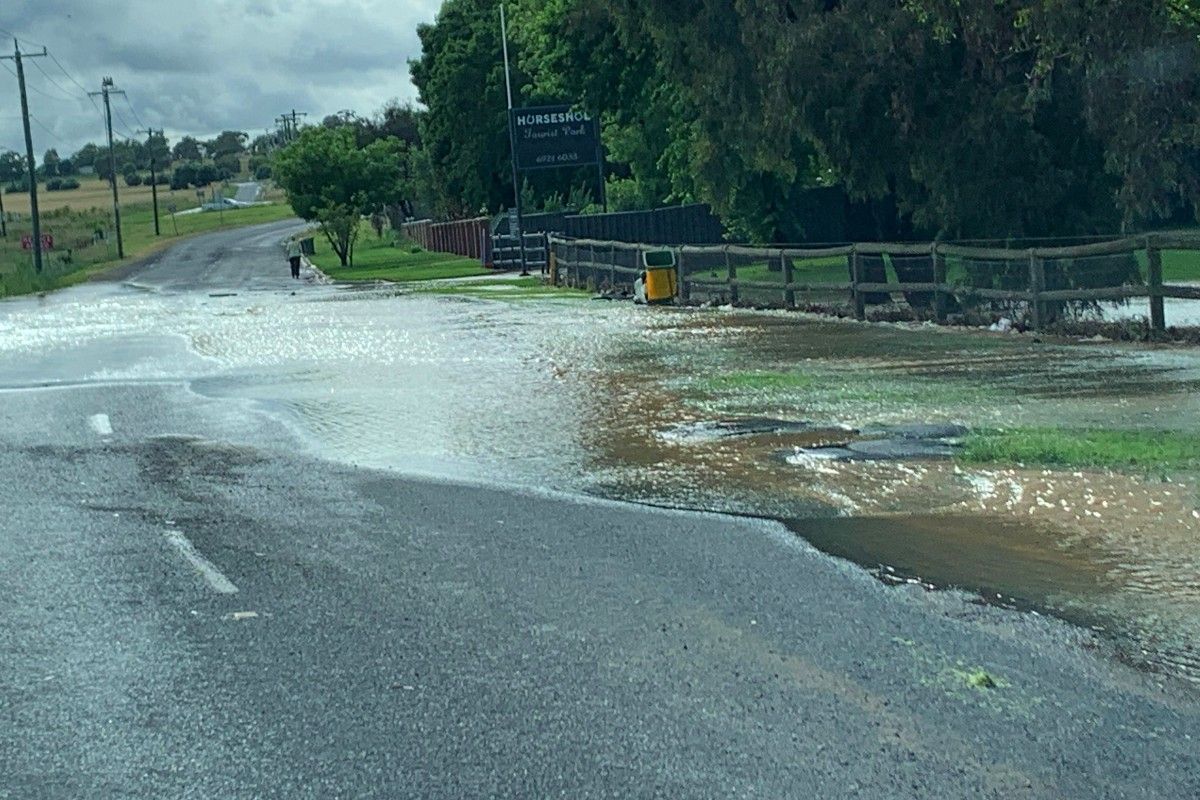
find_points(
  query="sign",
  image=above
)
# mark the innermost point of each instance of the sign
(554, 136)
(27, 241)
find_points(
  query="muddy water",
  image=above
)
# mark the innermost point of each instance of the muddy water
(624, 402)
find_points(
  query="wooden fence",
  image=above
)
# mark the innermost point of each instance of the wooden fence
(470, 238)
(597, 263)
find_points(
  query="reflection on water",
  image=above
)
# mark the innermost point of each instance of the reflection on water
(624, 402)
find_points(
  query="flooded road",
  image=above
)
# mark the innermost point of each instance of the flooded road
(652, 405)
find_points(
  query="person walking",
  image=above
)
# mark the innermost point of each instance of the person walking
(293, 254)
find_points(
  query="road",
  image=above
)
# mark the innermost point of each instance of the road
(196, 606)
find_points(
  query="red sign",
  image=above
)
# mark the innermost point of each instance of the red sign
(47, 241)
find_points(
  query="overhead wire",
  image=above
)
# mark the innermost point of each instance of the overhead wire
(57, 85)
(132, 110)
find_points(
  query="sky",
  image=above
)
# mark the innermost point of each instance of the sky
(198, 67)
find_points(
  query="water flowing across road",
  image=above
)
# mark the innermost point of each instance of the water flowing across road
(652, 405)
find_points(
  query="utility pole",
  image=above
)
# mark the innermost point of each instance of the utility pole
(153, 175)
(290, 124)
(3, 218)
(512, 143)
(32, 167)
(106, 88)
(282, 122)
(295, 122)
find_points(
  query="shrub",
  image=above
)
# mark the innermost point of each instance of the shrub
(69, 183)
(262, 172)
(14, 188)
(53, 185)
(133, 179)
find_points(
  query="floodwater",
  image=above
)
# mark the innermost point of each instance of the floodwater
(708, 409)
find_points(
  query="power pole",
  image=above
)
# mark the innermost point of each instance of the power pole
(512, 143)
(153, 175)
(33, 204)
(295, 122)
(106, 88)
(282, 122)
(3, 218)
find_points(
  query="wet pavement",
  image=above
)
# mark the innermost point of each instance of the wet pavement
(701, 409)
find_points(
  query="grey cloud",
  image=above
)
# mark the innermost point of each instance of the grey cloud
(202, 66)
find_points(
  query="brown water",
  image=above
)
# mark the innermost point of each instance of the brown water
(619, 401)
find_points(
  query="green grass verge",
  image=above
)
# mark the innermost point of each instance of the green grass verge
(380, 259)
(530, 288)
(1181, 265)
(1084, 448)
(76, 259)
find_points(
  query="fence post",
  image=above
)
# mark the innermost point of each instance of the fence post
(592, 282)
(1037, 281)
(939, 278)
(731, 278)
(1154, 277)
(681, 292)
(789, 295)
(612, 267)
(860, 305)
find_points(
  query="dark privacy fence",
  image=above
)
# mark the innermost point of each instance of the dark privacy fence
(690, 224)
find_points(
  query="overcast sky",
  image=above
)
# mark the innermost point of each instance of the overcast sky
(202, 66)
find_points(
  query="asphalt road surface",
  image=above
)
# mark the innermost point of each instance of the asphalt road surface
(194, 608)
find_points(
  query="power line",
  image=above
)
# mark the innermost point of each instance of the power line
(49, 132)
(126, 124)
(7, 32)
(34, 88)
(57, 85)
(70, 77)
(132, 110)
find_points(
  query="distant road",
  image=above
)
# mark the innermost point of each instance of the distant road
(193, 608)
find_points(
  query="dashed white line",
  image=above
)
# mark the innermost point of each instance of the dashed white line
(100, 424)
(212, 576)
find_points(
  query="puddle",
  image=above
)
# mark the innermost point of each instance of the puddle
(715, 410)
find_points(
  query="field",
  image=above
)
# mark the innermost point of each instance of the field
(85, 242)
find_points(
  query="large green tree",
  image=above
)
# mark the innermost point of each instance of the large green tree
(460, 78)
(330, 180)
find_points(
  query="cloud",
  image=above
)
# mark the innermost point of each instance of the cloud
(203, 66)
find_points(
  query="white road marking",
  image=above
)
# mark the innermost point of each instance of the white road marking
(100, 424)
(218, 582)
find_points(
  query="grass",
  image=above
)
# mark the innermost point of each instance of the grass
(1181, 265)
(1084, 448)
(77, 256)
(380, 259)
(818, 270)
(757, 381)
(505, 289)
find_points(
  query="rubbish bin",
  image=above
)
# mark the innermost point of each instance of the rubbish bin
(660, 275)
(308, 246)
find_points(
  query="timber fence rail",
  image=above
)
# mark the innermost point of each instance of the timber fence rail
(470, 238)
(936, 278)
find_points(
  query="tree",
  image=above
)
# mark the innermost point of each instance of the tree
(160, 149)
(206, 173)
(86, 156)
(187, 149)
(50, 163)
(228, 143)
(332, 181)
(228, 165)
(12, 167)
(461, 83)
